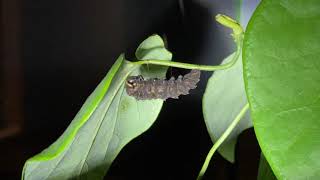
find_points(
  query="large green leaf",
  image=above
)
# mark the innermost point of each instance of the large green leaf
(282, 77)
(223, 99)
(108, 120)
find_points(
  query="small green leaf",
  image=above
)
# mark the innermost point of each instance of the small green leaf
(282, 78)
(108, 120)
(223, 99)
(265, 171)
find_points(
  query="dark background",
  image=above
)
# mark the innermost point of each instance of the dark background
(54, 53)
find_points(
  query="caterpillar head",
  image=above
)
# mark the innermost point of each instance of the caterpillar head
(133, 83)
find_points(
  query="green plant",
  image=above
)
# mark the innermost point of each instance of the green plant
(281, 78)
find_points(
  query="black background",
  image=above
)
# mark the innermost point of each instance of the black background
(66, 47)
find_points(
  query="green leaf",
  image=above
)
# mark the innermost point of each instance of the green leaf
(223, 99)
(282, 79)
(265, 172)
(108, 120)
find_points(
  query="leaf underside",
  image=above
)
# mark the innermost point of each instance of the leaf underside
(223, 99)
(108, 120)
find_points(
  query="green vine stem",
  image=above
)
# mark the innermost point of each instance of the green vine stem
(237, 36)
(221, 140)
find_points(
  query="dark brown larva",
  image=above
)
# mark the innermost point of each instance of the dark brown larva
(155, 88)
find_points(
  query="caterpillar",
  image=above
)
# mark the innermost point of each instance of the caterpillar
(155, 88)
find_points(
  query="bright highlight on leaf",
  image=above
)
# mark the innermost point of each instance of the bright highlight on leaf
(108, 120)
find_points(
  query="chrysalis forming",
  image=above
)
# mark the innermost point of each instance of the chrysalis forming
(154, 88)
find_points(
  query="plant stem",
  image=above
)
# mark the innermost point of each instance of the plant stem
(194, 66)
(221, 140)
(238, 38)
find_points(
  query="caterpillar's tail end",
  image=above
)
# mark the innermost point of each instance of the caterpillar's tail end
(191, 79)
(193, 75)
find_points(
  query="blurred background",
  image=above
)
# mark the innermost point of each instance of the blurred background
(54, 53)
